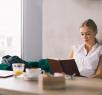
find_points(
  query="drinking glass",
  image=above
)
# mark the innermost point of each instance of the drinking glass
(18, 68)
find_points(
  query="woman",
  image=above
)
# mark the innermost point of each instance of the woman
(88, 56)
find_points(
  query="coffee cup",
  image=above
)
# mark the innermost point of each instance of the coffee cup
(33, 72)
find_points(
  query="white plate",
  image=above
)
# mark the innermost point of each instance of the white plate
(26, 77)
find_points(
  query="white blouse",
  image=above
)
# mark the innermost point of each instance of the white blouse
(87, 63)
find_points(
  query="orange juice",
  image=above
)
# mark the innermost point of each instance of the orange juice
(18, 72)
(18, 68)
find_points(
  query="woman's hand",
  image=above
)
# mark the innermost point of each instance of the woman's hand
(98, 73)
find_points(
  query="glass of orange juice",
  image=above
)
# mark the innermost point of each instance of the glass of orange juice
(18, 68)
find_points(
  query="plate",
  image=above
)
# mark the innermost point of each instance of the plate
(26, 77)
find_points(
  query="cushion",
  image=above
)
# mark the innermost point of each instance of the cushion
(33, 64)
(55, 66)
(4, 67)
(43, 64)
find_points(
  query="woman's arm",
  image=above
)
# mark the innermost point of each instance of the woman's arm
(98, 73)
(70, 55)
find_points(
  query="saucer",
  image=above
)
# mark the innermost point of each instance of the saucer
(27, 77)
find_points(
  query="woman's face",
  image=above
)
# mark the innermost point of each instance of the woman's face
(87, 34)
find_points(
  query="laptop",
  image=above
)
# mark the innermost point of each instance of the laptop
(69, 67)
(5, 74)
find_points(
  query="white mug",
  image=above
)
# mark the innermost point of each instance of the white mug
(33, 72)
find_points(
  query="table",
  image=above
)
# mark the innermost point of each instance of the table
(78, 86)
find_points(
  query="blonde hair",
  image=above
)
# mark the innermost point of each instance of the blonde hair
(91, 24)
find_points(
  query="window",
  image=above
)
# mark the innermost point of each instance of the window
(10, 27)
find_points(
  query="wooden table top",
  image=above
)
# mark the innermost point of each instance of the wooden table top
(77, 86)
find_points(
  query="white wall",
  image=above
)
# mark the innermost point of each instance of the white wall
(32, 29)
(61, 22)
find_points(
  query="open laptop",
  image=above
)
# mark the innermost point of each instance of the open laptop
(5, 74)
(69, 67)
